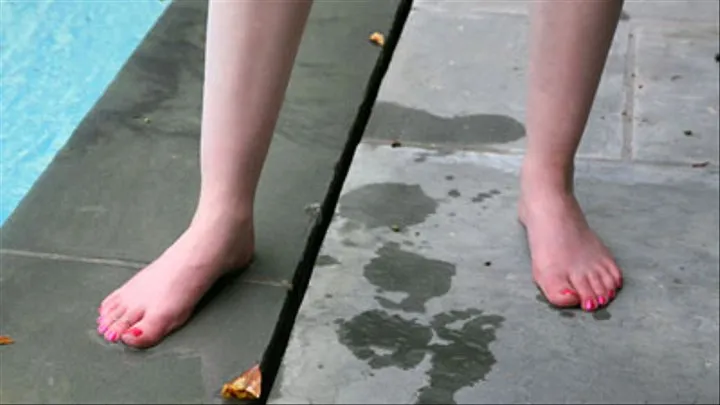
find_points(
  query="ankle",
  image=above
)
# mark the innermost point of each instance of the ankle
(222, 216)
(213, 208)
(546, 177)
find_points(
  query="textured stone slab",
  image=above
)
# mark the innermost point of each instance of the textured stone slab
(681, 10)
(458, 79)
(678, 10)
(422, 292)
(125, 185)
(676, 93)
(49, 307)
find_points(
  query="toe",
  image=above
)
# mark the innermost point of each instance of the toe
(109, 302)
(598, 287)
(105, 321)
(615, 273)
(588, 300)
(147, 332)
(122, 324)
(609, 281)
(106, 309)
(557, 289)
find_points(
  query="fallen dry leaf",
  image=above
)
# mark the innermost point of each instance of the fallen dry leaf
(6, 340)
(377, 38)
(247, 386)
(703, 164)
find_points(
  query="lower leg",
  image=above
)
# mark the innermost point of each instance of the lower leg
(250, 49)
(569, 45)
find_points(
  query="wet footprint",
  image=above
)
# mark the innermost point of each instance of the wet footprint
(461, 359)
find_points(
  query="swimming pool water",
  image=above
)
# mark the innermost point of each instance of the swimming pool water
(57, 57)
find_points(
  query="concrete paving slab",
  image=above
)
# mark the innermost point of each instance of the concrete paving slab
(423, 294)
(125, 185)
(48, 307)
(677, 10)
(676, 92)
(521, 7)
(463, 77)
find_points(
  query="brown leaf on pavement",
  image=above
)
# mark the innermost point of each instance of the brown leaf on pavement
(6, 340)
(377, 39)
(247, 386)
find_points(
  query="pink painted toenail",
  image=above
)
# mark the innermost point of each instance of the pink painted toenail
(111, 336)
(611, 294)
(569, 292)
(102, 328)
(589, 305)
(135, 332)
(601, 300)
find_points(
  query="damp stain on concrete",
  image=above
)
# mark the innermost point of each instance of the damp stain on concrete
(601, 315)
(393, 121)
(460, 358)
(326, 260)
(449, 177)
(384, 340)
(464, 359)
(421, 157)
(349, 243)
(385, 204)
(349, 227)
(419, 277)
(563, 312)
(480, 197)
(454, 193)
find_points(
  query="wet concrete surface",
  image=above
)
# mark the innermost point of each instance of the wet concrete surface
(125, 186)
(483, 334)
(463, 75)
(430, 299)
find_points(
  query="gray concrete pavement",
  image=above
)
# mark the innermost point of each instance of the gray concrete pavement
(422, 292)
(125, 186)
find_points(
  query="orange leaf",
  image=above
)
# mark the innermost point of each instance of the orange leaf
(247, 386)
(6, 340)
(377, 38)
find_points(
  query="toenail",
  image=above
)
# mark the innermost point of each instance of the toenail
(102, 328)
(611, 294)
(111, 336)
(135, 332)
(568, 292)
(589, 305)
(601, 300)
(99, 319)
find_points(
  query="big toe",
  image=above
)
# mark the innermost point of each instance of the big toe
(557, 289)
(149, 331)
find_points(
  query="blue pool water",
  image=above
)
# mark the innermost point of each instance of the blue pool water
(57, 57)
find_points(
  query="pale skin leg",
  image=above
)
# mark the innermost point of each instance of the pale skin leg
(251, 46)
(250, 50)
(569, 45)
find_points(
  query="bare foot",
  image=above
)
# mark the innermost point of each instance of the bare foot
(162, 296)
(569, 262)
